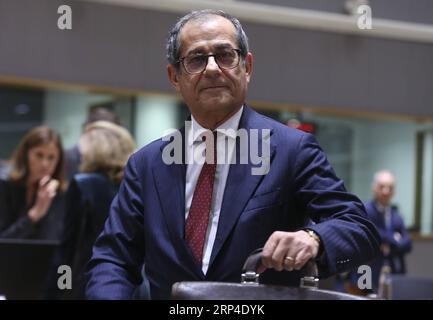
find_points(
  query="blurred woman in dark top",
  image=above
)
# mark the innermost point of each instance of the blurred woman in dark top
(105, 149)
(32, 200)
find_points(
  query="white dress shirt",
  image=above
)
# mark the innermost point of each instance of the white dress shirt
(224, 153)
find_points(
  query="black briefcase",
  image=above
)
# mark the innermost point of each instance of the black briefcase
(251, 289)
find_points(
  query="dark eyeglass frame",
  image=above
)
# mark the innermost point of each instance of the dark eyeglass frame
(238, 56)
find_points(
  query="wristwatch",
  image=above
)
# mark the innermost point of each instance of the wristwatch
(313, 235)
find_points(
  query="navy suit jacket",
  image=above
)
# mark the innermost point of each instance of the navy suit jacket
(147, 219)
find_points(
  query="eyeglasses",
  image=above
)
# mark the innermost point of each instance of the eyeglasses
(227, 59)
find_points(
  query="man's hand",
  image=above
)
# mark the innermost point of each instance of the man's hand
(288, 251)
(47, 190)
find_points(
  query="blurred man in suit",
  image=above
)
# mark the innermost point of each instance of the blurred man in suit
(190, 220)
(395, 240)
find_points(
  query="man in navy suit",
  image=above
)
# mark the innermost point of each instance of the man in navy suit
(395, 240)
(189, 220)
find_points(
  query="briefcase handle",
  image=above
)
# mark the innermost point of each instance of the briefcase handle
(250, 275)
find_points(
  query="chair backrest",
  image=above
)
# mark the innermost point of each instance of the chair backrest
(411, 288)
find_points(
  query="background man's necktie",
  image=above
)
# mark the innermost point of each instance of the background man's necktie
(198, 217)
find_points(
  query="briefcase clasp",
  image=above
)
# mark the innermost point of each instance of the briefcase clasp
(309, 282)
(250, 277)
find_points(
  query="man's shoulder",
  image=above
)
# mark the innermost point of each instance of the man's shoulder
(279, 130)
(395, 210)
(150, 150)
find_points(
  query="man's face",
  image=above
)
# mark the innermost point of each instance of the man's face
(215, 93)
(384, 188)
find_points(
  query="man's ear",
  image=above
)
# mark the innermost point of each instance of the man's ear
(173, 76)
(249, 65)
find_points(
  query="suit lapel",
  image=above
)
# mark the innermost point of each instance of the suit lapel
(170, 184)
(240, 186)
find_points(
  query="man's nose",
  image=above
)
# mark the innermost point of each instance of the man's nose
(212, 65)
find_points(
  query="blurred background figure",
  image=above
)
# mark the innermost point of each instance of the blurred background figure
(32, 200)
(5, 169)
(73, 155)
(388, 220)
(395, 240)
(105, 148)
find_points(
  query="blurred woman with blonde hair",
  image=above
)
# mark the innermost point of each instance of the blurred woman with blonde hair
(105, 148)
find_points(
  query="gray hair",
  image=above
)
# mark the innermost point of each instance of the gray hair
(173, 45)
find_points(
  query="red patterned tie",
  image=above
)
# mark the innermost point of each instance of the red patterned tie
(198, 217)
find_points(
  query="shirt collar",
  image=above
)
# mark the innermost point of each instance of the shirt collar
(381, 208)
(231, 123)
